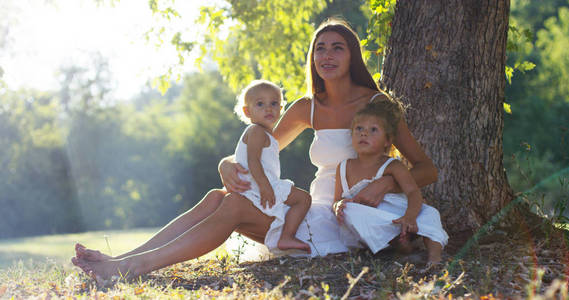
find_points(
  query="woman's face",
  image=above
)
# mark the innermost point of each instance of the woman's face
(331, 56)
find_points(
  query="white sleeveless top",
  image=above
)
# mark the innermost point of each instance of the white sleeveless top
(329, 147)
(320, 229)
(373, 226)
(281, 187)
(348, 192)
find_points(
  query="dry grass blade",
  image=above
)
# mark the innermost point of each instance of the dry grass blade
(353, 282)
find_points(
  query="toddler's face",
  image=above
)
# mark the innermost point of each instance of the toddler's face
(263, 107)
(369, 136)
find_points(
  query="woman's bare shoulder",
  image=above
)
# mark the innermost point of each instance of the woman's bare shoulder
(371, 93)
(300, 109)
(301, 103)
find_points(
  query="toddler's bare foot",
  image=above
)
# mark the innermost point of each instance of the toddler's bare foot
(434, 258)
(434, 251)
(292, 243)
(89, 255)
(404, 244)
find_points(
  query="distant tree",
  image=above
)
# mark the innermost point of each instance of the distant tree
(38, 193)
(207, 130)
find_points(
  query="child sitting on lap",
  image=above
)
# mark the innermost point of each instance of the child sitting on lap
(260, 105)
(373, 130)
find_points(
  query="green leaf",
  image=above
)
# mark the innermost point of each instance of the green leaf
(509, 74)
(162, 83)
(507, 108)
(524, 66)
(376, 77)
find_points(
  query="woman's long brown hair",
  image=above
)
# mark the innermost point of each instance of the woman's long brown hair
(358, 71)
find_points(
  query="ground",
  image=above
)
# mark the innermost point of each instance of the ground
(529, 263)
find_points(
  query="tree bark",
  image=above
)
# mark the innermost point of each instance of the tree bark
(446, 60)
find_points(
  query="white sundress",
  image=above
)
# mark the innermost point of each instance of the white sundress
(373, 226)
(319, 228)
(281, 187)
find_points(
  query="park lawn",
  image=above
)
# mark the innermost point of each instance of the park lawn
(527, 264)
(60, 248)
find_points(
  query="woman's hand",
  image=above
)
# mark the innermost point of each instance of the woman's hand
(338, 208)
(229, 173)
(373, 194)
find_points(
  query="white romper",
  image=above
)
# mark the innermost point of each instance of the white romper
(281, 187)
(373, 226)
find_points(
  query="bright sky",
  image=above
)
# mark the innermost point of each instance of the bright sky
(44, 35)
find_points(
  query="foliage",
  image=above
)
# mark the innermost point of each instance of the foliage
(538, 100)
(552, 42)
(165, 13)
(139, 163)
(378, 32)
(541, 184)
(518, 40)
(206, 131)
(34, 169)
(250, 50)
(99, 164)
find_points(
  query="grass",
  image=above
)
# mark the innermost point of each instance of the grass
(59, 248)
(521, 264)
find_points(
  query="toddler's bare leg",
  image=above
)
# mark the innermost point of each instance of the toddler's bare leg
(404, 244)
(299, 202)
(171, 231)
(434, 250)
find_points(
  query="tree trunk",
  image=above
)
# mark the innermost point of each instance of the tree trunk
(446, 59)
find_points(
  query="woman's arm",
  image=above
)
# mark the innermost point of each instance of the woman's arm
(294, 120)
(423, 170)
(229, 173)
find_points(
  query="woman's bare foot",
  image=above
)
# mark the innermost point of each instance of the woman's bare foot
(292, 243)
(89, 255)
(107, 271)
(82, 264)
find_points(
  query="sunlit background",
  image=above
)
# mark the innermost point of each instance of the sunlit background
(90, 139)
(41, 36)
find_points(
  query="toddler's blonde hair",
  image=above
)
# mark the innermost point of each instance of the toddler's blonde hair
(247, 92)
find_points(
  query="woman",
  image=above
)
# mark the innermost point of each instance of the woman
(338, 86)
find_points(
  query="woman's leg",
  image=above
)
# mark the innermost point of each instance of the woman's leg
(172, 230)
(235, 211)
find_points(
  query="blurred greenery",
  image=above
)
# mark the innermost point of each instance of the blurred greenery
(536, 133)
(77, 158)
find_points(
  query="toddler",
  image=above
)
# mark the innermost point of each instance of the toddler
(373, 130)
(260, 105)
